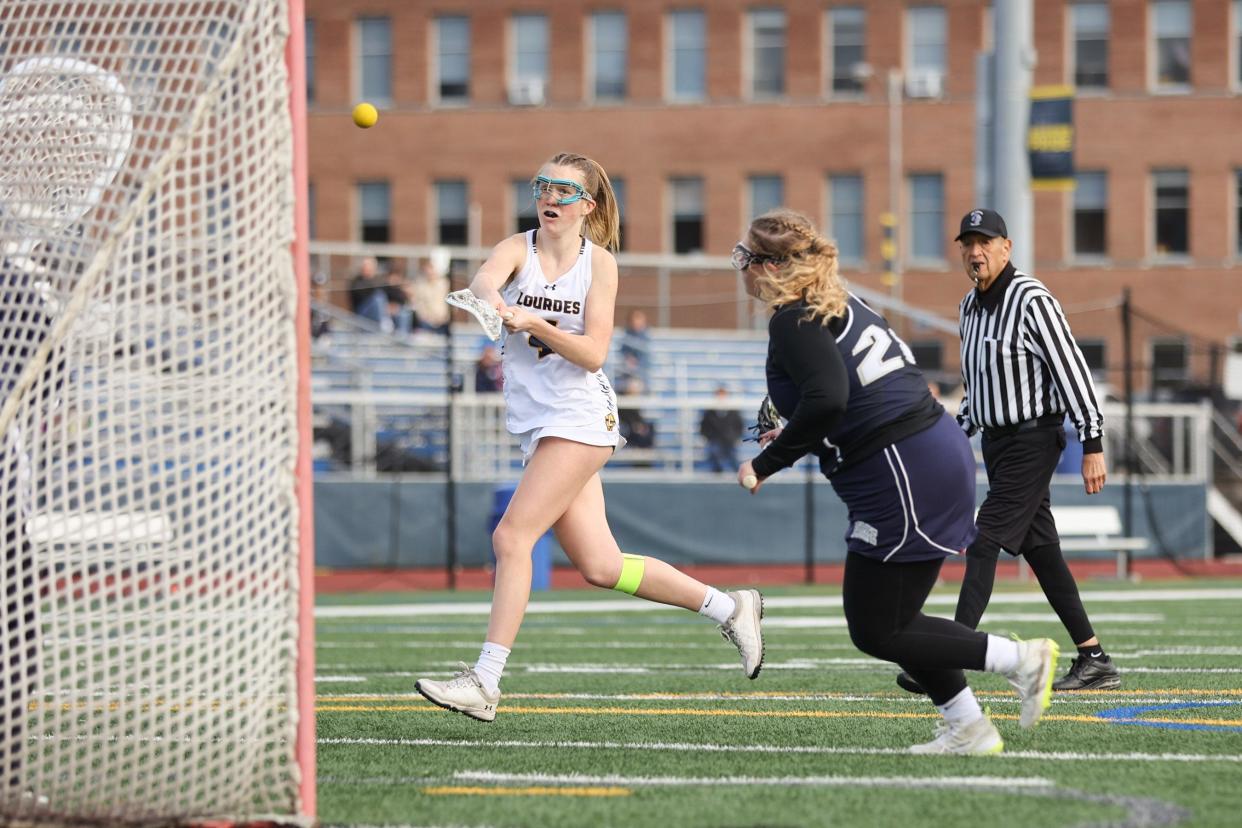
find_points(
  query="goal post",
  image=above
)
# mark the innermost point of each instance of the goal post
(156, 558)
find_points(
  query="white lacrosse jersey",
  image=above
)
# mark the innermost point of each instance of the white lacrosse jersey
(541, 387)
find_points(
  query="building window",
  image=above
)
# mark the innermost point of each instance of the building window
(375, 60)
(766, 192)
(618, 190)
(1172, 213)
(1237, 44)
(529, 72)
(309, 29)
(1237, 210)
(1091, 214)
(1095, 354)
(1170, 360)
(525, 212)
(926, 217)
(453, 59)
(687, 36)
(845, 211)
(767, 53)
(1090, 22)
(1170, 28)
(925, 51)
(847, 40)
(609, 55)
(687, 214)
(452, 212)
(374, 212)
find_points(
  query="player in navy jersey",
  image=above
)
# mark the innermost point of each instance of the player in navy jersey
(852, 395)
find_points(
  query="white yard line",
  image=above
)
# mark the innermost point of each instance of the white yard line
(696, 747)
(610, 605)
(1006, 782)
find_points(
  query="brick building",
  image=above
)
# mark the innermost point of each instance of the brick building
(706, 113)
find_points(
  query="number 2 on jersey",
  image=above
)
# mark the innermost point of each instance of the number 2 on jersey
(876, 341)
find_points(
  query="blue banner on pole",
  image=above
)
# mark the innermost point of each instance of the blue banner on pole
(1050, 139)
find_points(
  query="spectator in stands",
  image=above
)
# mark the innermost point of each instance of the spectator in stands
(367, 295)
(399, 293)
(489, 375)
(427, 293)
(905, 471)
(637, 430)
(722, 429)
(321, 323)
(636, 346)
(555, 288)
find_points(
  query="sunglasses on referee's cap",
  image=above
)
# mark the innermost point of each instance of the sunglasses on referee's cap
(985, 223)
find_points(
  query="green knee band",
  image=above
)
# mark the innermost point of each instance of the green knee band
(632, 567)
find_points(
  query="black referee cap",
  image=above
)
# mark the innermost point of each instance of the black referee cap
(983, 222)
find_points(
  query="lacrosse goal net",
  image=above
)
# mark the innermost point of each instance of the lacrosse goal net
(155, 659)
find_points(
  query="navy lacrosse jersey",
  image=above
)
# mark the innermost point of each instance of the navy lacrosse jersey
(848, 388)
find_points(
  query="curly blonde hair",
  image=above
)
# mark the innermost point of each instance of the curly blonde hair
(807, 266)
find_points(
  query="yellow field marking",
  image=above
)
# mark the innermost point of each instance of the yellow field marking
(533, 790)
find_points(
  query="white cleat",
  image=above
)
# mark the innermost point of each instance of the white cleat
(463, 693)
(744, 631)
(1032, 680)
(979, 738)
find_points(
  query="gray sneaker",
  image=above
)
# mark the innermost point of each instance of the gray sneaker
(744, 631)
(979, 738)
(1032, 680)
(463, 693)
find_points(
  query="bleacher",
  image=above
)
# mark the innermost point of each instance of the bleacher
(684, 365)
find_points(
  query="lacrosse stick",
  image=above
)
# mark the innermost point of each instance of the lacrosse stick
(480, 310)
(66, 127)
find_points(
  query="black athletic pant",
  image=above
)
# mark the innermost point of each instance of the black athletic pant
(1016, 515)
(883, 606)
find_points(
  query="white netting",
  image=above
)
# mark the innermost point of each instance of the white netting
(148, 372)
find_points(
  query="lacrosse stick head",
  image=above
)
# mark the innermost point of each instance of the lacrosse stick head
(480, 310)
(66, 126)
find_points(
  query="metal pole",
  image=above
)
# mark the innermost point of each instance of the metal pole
(1128, 385)
(450, 486)
(1011, 179)
(895, 163)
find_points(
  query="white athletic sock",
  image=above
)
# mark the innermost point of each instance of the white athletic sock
(1002, 655)
(490, 665)
(962, 709)
(717, 605)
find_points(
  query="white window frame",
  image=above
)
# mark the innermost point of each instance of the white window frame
(590, 54)
(511, 61)
(1152, 252)
(1235, 46)
(1153, 342)
(830, 216)
(359, 218)
(906, 229)
(1153, 51)
(433, 93)
(830, 45)
(670, 218)
(670, 75)
(751, 180)
(748, 61)
(1072, 234)
(1071, 51)
(908, 40)
(359, 94)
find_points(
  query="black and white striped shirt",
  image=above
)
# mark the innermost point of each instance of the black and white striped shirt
(1020, 361)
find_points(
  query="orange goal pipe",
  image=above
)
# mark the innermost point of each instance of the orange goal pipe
(295, 60)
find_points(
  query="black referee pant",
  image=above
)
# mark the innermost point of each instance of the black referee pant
(1016, 516)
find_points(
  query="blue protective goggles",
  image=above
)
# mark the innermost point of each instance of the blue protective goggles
(562, 190)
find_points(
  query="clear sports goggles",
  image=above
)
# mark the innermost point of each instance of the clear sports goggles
(743, 257)
(562, 190)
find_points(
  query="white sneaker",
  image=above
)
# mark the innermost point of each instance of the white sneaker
(978, 738)
(744, 631)
(1037, 662)
(463, 693)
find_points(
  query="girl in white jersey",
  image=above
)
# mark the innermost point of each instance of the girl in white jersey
(556, 289)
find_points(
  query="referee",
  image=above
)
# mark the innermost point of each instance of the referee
(1022, 372)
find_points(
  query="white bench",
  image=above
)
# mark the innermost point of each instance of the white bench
(1092, 529)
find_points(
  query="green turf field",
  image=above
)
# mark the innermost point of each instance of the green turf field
(615, 714)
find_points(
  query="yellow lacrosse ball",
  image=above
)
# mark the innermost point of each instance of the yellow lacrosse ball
(365, 115)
